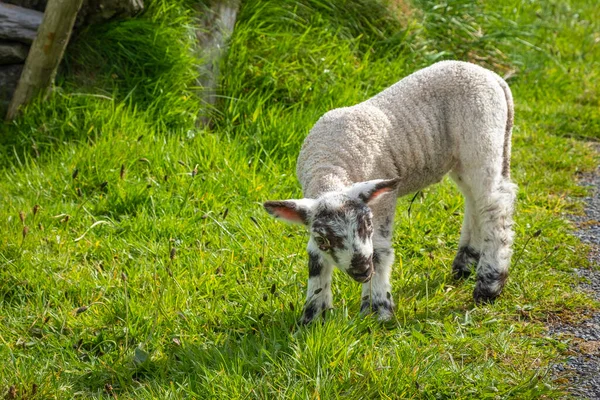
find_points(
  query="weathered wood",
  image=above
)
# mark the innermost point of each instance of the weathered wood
(18, 23)
(218, 19)
(45, 53)
(12, 52)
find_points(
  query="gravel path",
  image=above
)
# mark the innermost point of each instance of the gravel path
(583, 366)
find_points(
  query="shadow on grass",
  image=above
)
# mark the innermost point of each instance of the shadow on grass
(240, 350)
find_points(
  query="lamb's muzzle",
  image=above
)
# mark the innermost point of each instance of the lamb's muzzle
(361, 268)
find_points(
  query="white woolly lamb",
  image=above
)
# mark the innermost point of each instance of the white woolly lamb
(452, 117)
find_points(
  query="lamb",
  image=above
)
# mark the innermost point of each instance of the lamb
(451, 118)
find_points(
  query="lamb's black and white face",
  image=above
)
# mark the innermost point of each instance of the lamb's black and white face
(341, 230)
(340, 224)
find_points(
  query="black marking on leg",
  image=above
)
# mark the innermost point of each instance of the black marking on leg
(314, 265)
(383, 305)
(365, 305)
(491, 276)
(377, 305)
(323, 311)
(465, 258)
(310, 310)
(378, 253)
(483, 292)
(318, 291)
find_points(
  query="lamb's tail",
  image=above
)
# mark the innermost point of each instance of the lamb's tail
(509, 125)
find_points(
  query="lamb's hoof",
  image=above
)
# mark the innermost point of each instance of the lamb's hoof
(483, 294)
(312, 310)
(490, 283)
(384, 308)
(465, 258)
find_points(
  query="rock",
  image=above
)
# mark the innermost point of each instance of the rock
(96, 11)
(18, 23)
(12, 52)
(92, 11)
(9, 76)
(38, 5)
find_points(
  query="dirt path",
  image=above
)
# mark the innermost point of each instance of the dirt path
(582, 369)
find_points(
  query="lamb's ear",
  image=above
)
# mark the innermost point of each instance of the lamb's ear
(295, 211)
(370, 190)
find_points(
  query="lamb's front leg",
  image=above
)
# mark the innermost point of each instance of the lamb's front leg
(377, 293)
(318, 296)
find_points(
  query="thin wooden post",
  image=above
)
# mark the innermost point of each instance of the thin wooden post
(46, 52)
(218, 21)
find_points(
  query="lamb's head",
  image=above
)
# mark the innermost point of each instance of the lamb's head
(339, 223)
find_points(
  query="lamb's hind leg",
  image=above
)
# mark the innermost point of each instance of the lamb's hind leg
(469, 245)
(495, 209)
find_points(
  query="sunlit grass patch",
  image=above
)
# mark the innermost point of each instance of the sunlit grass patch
(136, 259)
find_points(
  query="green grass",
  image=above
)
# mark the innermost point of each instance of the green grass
(150, 270)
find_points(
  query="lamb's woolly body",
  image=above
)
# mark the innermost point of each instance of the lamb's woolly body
(418, 130)
(452, 117)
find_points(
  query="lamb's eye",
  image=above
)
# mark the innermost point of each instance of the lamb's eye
(323, 243)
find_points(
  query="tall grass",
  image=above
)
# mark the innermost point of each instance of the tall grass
(136, 260)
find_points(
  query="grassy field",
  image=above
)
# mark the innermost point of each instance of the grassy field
(136, 260)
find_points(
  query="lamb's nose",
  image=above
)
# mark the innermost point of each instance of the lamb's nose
(361, 268)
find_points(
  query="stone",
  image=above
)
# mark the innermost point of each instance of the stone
(97, 11)
(92, 11)
(38, 5)
(18, 23)
(12, 52)
(9, 76)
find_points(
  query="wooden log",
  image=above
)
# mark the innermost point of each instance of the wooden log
(45, 53)
(18, 23)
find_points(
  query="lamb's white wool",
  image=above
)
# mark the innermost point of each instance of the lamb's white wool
(452, 117)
